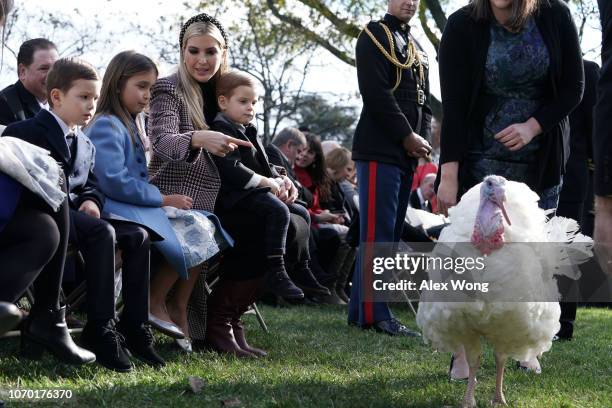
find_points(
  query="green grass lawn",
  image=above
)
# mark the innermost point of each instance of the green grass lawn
(316, 360)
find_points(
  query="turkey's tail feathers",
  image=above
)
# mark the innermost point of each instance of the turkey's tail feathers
(567, 248)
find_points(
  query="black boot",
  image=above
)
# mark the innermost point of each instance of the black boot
(139, 342)
(335, 269)
(344, 273)
(45, 329)
(278, 282)
(102, 338)
(305, 280)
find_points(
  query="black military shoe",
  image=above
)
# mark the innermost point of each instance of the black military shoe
(106, 343)
(139, 342)
(394, 327)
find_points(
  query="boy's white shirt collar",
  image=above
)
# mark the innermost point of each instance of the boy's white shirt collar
(64, 126)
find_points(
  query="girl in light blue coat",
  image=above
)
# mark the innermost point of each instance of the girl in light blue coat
(190, 237)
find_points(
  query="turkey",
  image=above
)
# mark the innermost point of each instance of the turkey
(489, 216)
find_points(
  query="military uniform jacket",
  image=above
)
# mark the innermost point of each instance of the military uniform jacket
(389, 115)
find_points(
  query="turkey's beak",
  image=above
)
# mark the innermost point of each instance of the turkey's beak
(503, 208)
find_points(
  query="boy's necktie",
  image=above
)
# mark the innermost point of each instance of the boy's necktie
(72, 145)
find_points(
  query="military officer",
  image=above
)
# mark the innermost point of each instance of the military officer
(392, 72)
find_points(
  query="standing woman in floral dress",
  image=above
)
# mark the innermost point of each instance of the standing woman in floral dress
(510, 72)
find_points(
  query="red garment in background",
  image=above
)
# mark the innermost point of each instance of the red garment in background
(420, 173)
(305, 180)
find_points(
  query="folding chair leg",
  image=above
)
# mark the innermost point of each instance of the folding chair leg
(405, 295)
(260, 318)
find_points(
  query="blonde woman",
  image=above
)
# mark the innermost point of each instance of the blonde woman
(182, 105)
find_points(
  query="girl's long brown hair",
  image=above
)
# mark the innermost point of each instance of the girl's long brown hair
(122, 67)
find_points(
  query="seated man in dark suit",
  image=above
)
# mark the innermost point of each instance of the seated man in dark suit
(283, 151)
(73, 91)
(420, 199)
(28, 95)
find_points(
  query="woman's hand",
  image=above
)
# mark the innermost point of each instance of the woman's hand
(448, 188)
(518, 135)
(216, 143)
(182, 202)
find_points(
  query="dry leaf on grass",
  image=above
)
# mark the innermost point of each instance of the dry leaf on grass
(195, 384)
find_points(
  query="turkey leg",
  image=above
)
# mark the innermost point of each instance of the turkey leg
(469, 401)
(500, 362)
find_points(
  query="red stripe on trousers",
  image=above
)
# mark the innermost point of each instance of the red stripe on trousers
(368, 306)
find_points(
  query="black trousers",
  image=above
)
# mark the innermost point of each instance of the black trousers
(298, 235)
(33, 251)
(276, 220)
(275, 216)
(570, 209)
(96, 238)
(246, 259)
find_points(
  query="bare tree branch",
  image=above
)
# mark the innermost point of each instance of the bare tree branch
(310, 35)
(436, 12)
(430, 34)
(342, 25)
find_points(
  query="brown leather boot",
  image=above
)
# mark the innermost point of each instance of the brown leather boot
(245, 294)
(221, 311)
(335, 268)
(238, 327)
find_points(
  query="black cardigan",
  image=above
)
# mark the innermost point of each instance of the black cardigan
(463, 54)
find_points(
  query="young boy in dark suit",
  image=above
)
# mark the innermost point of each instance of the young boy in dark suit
(73, 88)
(250, 184)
